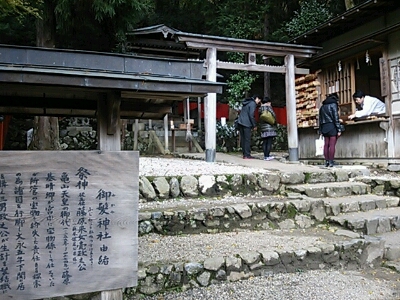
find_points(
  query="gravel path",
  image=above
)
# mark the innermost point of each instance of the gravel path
(326, 285)
(198, 247)
(156, 166)
(322, 284)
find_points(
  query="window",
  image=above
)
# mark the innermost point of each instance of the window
(340, 79)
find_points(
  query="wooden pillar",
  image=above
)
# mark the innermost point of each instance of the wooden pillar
(108, 123)
(210, 107)
(184, 106)
(2, 130)
(166, 133)
(135, 135)
(198, 113)
(112, 295)
(109, 133)
(293, 140)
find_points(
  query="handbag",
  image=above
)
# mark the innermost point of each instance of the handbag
(319, 146)
(267, 117)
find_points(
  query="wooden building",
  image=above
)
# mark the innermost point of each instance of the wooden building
(360, 51)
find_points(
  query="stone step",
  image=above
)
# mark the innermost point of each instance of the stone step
(370, 222)
(187, 261)
(392, 245)
(347, 204)
(330, 189)
(249, 181)
(211, 215)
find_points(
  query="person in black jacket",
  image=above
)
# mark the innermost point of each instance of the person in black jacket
(246, 123)
(329, 126)
(268, 131)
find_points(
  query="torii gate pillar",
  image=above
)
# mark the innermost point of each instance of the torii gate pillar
(293, 139)
(210, 108)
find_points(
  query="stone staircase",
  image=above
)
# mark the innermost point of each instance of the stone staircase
(230, 227)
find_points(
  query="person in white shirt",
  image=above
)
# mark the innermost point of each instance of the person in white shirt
(369, 105)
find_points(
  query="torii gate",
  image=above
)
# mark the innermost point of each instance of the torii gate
(251, 47)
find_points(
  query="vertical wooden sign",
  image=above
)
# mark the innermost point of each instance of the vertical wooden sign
(384, 75)
(68, 222)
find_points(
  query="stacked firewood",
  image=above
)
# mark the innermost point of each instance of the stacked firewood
(306, 100)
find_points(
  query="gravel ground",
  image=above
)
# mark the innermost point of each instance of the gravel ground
(198, 247)
(326, 285)
(156, 166)
(377, 284)
(182, 203)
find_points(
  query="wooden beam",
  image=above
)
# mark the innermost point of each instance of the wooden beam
(258, 68)
(10, 110)
(197, 146)
(163, 108)
(156, 141)
(246, 48)
(142, 115)
(156, 95)
(250, 67)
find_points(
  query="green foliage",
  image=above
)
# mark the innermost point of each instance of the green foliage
(311, 14)
(226, 138)
(291, 211)
(239, 19)
(281, 140)
(16, 19)
(238, 85)
(98, 25)
(19, 8)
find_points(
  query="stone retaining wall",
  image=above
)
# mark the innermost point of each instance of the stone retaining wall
(353, 254)
(296, 213)
(268, 183)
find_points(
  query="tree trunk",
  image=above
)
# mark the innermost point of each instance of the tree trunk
(46, 134)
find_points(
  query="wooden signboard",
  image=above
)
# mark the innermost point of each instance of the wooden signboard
(384, 75)
(68, 222)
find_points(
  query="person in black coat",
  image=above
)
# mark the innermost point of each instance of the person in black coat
(246, 123)
(329, 126)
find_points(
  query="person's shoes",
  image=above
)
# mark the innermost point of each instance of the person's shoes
(327, 163)
(269, 158)
(331, 163)
(248, 157)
